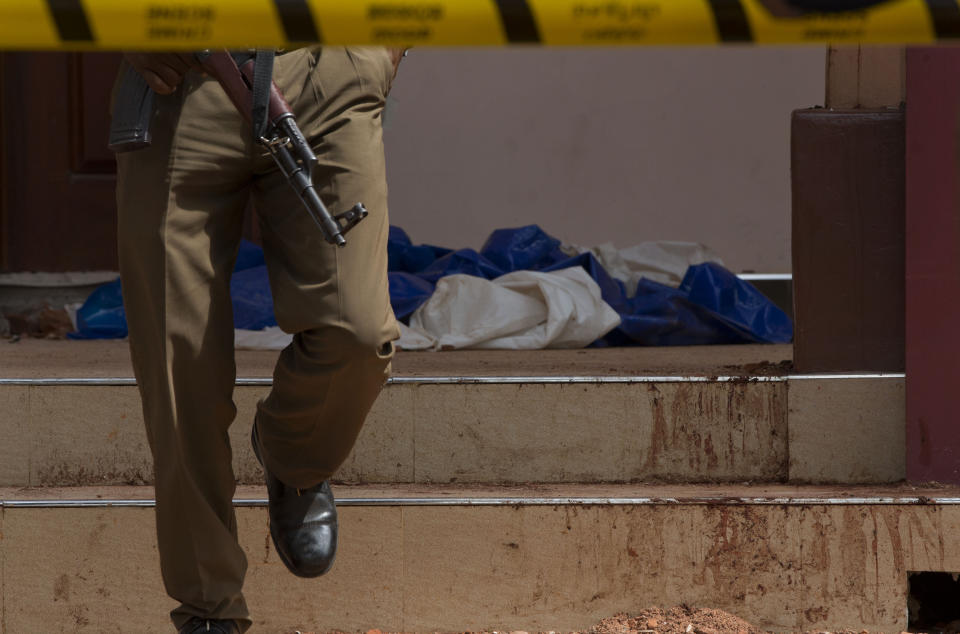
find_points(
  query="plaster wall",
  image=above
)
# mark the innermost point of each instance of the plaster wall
(602, 145)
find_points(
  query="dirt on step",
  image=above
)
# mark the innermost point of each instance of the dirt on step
(677, 620)
(686, 620)
(762, 368)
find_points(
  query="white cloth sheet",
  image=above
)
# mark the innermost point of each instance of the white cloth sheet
(524, 310)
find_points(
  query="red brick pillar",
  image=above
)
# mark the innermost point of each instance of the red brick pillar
(933, 264)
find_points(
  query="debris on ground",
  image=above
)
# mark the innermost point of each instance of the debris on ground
(763, 368)
(40, 322)
(682, 619)
(678, 620)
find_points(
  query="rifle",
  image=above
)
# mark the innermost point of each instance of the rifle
(247, 80)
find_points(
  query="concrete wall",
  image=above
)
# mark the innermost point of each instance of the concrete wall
(602, 145)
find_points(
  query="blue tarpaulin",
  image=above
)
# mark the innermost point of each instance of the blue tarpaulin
(712, 305)
(102, 316)
(251, 298)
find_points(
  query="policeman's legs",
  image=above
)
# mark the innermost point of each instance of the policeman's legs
(335, 301)
(181, 206)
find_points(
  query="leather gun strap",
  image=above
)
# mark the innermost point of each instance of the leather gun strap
(262, 81)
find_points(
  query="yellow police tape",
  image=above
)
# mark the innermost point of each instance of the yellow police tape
(197, 24)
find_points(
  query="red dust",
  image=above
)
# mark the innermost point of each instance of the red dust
(678, 620)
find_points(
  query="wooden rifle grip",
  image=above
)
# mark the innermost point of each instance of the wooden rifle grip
(278, 105)
(236, 83)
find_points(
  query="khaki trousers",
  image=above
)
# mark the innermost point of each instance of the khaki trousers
(181, 204)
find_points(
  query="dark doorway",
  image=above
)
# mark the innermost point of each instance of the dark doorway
(933, 602)
(57, 177)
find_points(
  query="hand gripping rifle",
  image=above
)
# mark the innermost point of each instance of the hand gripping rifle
(247, 80)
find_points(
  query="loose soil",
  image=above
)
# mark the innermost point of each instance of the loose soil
(761, 368)
(677, 620)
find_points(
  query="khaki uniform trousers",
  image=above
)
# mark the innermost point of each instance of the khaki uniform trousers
(181, 205)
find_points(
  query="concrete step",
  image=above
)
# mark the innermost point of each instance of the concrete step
(71, 415)
(459, 558)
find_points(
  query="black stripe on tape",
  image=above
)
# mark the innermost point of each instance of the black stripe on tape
(297, 20)
(518, 21)
(732, 22)
(946, 18)
(71, 20)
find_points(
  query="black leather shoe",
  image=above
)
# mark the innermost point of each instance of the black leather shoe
(303, 523)
(197, 625)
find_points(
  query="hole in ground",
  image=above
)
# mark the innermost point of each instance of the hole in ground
(933, 602)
